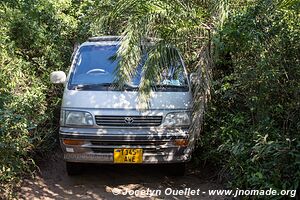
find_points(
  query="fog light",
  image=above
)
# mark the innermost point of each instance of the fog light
(73, 142)
(181, 142)
(70, 150)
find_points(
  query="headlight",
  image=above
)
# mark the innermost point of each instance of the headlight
(177, 119)
(78, 118)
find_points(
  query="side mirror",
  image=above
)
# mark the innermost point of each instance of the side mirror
(193, 78)
(58, 77)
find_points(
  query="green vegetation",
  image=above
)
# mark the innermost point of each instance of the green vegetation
(253, 121)
(246, 55)
(35, 39)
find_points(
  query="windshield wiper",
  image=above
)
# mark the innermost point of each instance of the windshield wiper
(128, 86)
(89, 86)
(171, 86)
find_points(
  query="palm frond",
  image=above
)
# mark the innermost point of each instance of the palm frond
(174, 22)
(181, 24)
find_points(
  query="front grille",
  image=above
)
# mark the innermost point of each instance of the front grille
(128, 121)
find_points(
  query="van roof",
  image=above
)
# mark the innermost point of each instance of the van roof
(110, 40)
(104, 39)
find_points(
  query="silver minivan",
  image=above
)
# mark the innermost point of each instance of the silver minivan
(100, 123)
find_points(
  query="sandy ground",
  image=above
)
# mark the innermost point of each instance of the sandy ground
(100, 181)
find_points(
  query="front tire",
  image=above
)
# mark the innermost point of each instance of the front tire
(73, 168)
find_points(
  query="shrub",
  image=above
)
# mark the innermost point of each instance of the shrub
(35, 39)
(252, 125)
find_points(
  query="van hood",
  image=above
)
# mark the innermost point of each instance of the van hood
(125, 100)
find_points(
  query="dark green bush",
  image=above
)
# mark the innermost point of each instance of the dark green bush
(253, 122)
(35, 39)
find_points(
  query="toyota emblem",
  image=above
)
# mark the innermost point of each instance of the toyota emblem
(128, 120)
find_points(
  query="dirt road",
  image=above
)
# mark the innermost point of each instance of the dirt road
(100, 182)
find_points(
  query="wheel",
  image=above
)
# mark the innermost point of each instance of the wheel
(177, 169)
(73, 168)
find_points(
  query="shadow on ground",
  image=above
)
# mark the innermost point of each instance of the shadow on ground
(100, 181)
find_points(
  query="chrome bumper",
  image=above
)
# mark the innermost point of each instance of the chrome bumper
(158, 145)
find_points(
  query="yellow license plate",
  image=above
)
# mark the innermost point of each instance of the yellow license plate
(128, 155)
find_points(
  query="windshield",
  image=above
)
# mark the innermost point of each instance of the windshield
(95, 70)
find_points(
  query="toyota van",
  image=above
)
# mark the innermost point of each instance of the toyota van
(101, 123)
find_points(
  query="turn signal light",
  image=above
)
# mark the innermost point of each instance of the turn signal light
(73, 142)
(181, 142)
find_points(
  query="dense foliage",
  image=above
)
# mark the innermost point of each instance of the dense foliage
(35, 39)
(252, 121)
